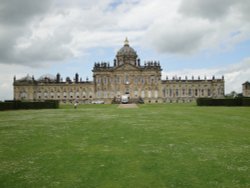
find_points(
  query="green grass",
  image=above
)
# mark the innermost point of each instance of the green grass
(152, 146)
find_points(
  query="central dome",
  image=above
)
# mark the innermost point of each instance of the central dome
(126, 54)
(126, 49)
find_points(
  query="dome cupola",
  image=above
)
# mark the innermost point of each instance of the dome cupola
(126, 54)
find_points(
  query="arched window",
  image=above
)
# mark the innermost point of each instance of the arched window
(77, 94)
(142, 93)
(156, 94)
(136, 93)
(64, 94)
(71, 94)
(149, 93)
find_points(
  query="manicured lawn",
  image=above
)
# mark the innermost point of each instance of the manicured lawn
(151, 146)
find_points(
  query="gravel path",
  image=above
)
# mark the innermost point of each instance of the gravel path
(128, 106)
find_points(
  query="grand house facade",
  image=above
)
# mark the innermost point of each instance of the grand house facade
(127, 76)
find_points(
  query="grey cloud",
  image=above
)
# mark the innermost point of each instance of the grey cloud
(21, 11)
(15, 19)
(44, 50)
(21, 20)
(214, 9)
(178, 43)
(180, 37)
(209, 9)
(202, 25)
(8, 36)
(41, 50)
(244, 8)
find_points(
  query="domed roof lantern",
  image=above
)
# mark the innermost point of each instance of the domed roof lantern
(126, 42)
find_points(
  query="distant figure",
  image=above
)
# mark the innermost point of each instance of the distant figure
(75, 105)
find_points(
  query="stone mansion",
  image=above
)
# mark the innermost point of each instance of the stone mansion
(127, 75)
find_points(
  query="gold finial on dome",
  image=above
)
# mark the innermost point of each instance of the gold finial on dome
(126, 42)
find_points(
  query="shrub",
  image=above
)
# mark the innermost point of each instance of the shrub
(240, 101)
(15, 105)
(245, 101)
(6, 105)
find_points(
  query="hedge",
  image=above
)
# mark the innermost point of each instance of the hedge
(223, 102)
(15, 105)
(245, 101)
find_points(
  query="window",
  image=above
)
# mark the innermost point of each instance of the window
(105, 94)
(23, 95)
(152, 79)
(84, 94)
(209, 92)
(126, 79)
(149, 94)
(77, 94)
(196, 92)
(117, 80)
(164, 92)
(190, 92)
(142, 94)
(135, 80)
(90, 94)
(136, 93)
(183, 92)
(156, 94)
(39, 95)
(99, 94)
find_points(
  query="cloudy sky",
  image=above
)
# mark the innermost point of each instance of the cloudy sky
(194, 37)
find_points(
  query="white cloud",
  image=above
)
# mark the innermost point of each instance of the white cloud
(54, 30)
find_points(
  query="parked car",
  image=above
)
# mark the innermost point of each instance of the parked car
(124, 99)
(98, 102)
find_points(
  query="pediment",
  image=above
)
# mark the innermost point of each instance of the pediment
(126, 67)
